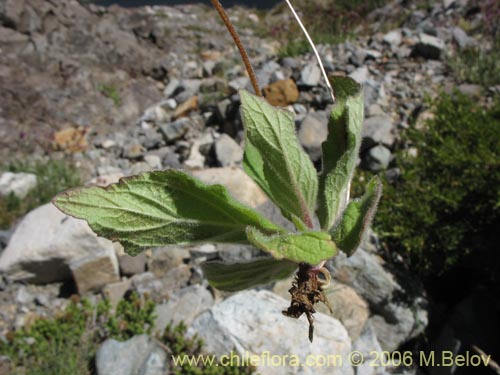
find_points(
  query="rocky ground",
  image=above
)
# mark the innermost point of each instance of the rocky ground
(124, 91)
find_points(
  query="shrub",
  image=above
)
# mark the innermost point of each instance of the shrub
(443, 214)
(66, 344)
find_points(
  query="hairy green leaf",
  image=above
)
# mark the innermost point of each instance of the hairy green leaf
(306, 247)
(238, 276)
(161, 208)
(275, 159)
(349, 232)
(340, 150)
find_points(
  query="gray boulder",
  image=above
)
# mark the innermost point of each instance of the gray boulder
(46, 242)
(227, 151)
(19, 184)
(395, 321)
(378, 130)
(184, 305)
(310, 75)
(141, 355)
(429, 47)
(251, 322)
(377, 158)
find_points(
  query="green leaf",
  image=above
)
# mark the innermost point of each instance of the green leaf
(306, 247)
(275, 159)
(161, 208)
(349, 232)
(340, 150)
(238, 276)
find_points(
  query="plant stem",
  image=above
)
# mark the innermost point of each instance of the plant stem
(328, 85)
(223, 15)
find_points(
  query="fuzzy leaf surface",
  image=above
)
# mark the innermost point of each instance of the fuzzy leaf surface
(340, 150)
(306, 247)
(160, 208)
(275, 159)
(233, 277)
(349, 232)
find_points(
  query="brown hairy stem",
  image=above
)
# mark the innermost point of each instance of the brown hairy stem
(223, 15)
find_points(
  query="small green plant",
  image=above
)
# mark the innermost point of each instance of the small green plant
(110, 92)
(181, 346)
(52, 177)
(171, 207)
(132, 317)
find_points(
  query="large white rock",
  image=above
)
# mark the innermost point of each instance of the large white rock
(20, 184)
(44, 244)
(251, 323)
(139, 355)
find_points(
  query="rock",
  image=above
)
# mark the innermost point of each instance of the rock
(44, 244)
(227, 151)
(133, 151)
(429, 47)
(348, 307)
(393, 38)
(93, 272)
(172, 86)
(24, 297)
(471, 90)
(378, 130)
(188, 89)
(138, 168)
(175, 130)
(184, 305)
(163, 259)
(251, 322)
(310, 75)
(264, 73)
(313, 132)
(19, 184)
(196, 159)
(237, 182)
(462, 39)
(187, 106)
(154, 161)
(400, 325)
(360, 75)
(159, 289)
(377, 158)
(238, 83)
(131, 265)
(4, 238)
(367, 344)
(151, 139)
(395, 321)
(116, 291)
(71, 139)
(282, 93)
(139, 355)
